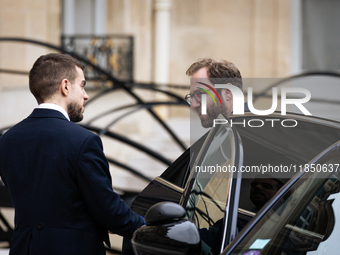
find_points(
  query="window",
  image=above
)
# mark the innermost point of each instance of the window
(211, 180)
(210, 188)
(303, 218)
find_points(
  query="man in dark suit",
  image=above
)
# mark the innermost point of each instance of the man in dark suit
(56, 171)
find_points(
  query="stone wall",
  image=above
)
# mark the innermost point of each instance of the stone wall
(255, 35)
(30, 19)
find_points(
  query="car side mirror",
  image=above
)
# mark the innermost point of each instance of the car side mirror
(166, 232)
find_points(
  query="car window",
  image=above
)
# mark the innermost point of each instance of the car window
(210, 186)
(274, 145)
(209, 189)
(304, 220)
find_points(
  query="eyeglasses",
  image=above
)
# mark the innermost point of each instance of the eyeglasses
(197, 95)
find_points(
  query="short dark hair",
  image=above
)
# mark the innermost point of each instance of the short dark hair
(217, 69)
(47, 73)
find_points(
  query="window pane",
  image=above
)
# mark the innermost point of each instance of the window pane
(210, 184)
(211, 180)
(302, 219)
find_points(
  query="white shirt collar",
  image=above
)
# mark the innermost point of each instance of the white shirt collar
(54, 107)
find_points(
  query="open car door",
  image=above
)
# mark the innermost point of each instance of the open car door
(211, 195)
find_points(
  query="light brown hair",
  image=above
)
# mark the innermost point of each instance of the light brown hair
(217, 69)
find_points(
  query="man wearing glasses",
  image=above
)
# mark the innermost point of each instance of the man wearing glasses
(205, 73)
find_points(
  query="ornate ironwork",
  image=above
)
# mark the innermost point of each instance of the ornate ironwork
(112, 53)
(129, 89)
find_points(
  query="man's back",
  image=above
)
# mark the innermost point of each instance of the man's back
(55, 171)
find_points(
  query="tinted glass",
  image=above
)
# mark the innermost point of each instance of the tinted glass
(275, 145)
(209, 186)
(304, 219)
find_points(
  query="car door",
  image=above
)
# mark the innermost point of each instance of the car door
(170, 185)
(303, 218)
(209, 198)
(212, 191)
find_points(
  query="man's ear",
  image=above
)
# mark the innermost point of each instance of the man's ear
(65, 87)
(226, 94)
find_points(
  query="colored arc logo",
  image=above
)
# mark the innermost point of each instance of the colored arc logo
(212, 89)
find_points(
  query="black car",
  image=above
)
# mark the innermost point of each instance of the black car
(205, 206)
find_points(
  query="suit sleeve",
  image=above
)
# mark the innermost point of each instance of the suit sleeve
(94, 181)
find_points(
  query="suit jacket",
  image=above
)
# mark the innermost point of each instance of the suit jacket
(60, 185)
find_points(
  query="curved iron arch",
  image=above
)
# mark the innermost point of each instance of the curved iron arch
(297, 76)
(137, 108)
